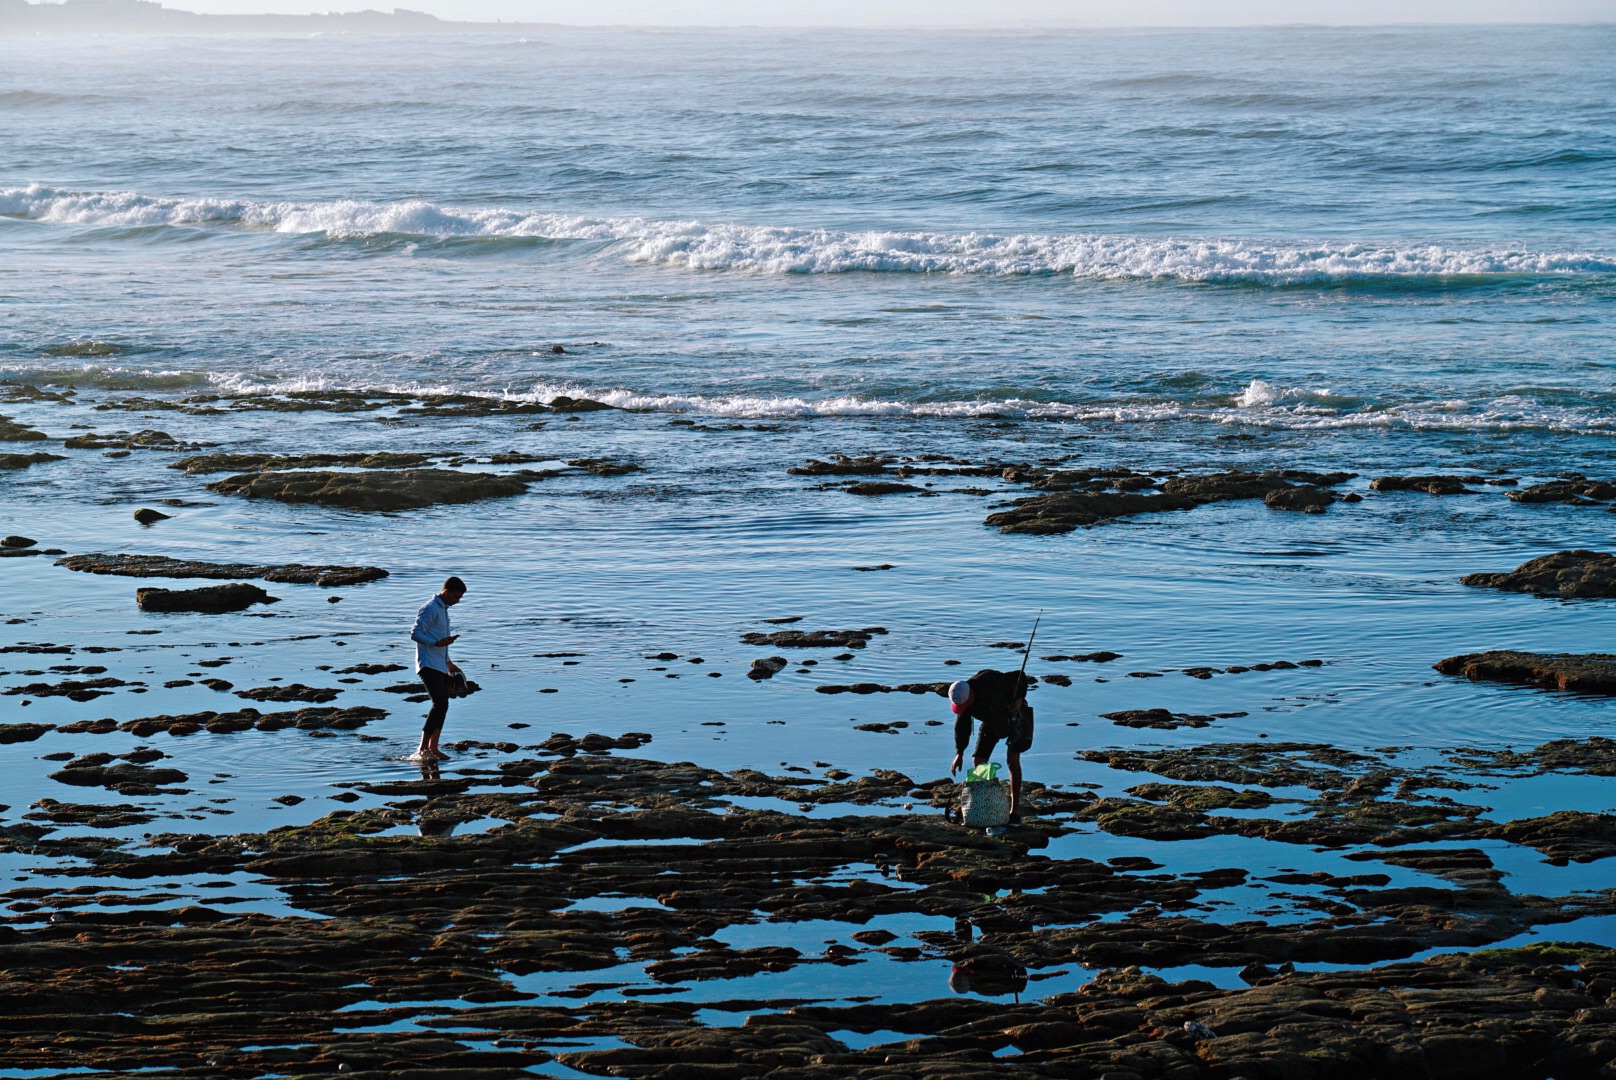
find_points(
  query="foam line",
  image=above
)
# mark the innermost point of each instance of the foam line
(707, 246)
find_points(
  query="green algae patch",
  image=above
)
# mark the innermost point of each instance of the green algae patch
(1545, 952)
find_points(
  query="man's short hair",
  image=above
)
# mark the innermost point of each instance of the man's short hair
(454, 584)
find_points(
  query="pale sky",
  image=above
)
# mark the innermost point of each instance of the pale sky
(955, 12)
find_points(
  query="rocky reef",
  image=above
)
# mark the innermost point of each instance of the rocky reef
(417, 951)
(1593, 673)
(210, 599)
(394, 489)
(145, 566)
(1570, 575)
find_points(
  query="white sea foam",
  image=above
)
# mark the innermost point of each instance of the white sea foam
(1498, 415)
(1260, 404)
(1292, 410)
(1260, 394)
(777, 250)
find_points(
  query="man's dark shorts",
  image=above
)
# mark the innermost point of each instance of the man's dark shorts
(989, 732)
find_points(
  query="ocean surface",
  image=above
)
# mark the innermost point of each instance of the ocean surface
(1378, 251)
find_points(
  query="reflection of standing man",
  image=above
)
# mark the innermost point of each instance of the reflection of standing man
(432, 638)
(998, 699)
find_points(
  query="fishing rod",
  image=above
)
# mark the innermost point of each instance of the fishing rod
(1021, 676)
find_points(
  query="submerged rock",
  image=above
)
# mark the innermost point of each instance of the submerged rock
(1160, 719)
(1238, 484)
(1593, 673)
(606, 466)
(939, 688)
(1063, 511)
(1578, 574)
(404, 489)
(89, 772)
(147, 439)
(767, 667)
(10, 431)
(15, 391)
(561, 403)
(881, 487)
(22, 461)
(224, 723)
(1308, 500)
(815, 639)
(72, 689)
(290, 692)
(18, 733)
(210, 599)
(1578, 491)
(1431, 485)
(369, 669)
(842, 465)
(211, 463)
(18, 553)
(124, 565)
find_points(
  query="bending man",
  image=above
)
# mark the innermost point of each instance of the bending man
(999, 700)
(432, 638)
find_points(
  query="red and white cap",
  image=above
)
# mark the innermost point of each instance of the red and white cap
(959, 696)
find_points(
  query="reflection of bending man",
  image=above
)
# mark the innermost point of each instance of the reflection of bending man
(999, 700)
(432, 638)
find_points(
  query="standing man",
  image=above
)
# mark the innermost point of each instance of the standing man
(999, 700)
(432, 638)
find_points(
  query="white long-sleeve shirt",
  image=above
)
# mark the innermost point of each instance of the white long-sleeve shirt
(432, 626)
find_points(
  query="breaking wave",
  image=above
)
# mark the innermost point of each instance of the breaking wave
(699, 245)
(1260, 404)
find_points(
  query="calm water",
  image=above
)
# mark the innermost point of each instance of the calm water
(1378, 251)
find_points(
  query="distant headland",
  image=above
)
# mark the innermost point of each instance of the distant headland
(150, 17)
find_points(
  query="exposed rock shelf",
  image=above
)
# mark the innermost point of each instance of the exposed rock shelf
(1593, 673)
(146, 566)
(402, 489)
(210, 599)
(1578, 574)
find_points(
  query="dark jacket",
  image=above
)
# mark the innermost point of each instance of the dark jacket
(993, 698)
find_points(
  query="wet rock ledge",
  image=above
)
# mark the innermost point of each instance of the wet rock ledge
(146, 566)
(484, 955)
(1084, 498)
(397, 489)
(209, 600)
(1578, 574)
(1590, 673)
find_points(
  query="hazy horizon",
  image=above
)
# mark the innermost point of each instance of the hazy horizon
(955, 13)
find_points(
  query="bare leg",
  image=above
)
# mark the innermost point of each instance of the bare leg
(429, 745)
(1013, 759)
